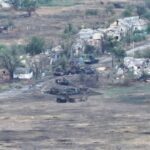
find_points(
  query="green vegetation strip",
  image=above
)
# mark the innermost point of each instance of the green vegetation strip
(59, 2)
(137, 93)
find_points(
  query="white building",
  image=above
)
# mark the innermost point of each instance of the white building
(120, 27)
(4, 4)
(22, 73)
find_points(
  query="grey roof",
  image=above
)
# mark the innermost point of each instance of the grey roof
(22, 70)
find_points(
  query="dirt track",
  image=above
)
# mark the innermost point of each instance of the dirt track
(31, 121)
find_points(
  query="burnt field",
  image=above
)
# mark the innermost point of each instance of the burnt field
(116, 120)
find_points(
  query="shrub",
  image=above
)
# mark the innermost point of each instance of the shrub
(91, 12)
(127, 13)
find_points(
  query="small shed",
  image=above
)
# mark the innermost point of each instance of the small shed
(23, 73)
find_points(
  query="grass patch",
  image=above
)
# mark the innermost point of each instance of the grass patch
(91, 12)
(58, 2)
(138, 93)
(11, 85)
(4, 87)
(128, 90)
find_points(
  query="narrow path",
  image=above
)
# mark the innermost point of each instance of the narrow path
(139, 48)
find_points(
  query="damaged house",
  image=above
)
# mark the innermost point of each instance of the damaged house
(116, 30)
(88, 37)
(56, 53)
(23, 73)
(138, 67)
(120, 27)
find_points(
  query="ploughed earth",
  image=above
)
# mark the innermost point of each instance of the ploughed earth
(119, 119)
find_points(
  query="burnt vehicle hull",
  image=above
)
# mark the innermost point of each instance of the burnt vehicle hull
(65, 91)
(65, 99)
(59, 72)
(89, 62)
(62, 81)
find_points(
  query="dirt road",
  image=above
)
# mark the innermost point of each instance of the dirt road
(136, 49)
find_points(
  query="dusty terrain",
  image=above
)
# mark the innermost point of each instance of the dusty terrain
(117, 120)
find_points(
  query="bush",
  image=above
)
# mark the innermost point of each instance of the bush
(127, 13)
(119, 5)
(91, 12)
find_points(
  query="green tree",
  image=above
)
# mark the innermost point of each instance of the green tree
(16, 3)
(26, 5)
(69, 31)
(66, 44)
(116, 49)
(141, 10)
(9, 59)
(68, 38)
(118, 52)
(35, 46)
(29, 6)
(147, 15)
(128, 11)
(89, 49)
(109, 9)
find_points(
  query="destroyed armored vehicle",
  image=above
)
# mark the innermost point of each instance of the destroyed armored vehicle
(62, 81)
(54, 91)
(90, 60)
(64, 99)
(88, 70)
(59, 72)
(64, 91)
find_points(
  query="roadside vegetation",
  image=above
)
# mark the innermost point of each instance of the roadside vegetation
(57, 2)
